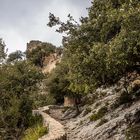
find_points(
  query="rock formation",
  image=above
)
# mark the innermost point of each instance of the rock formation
(50, 62)
(33, 44)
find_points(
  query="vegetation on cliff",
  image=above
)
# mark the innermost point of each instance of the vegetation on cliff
(103, 47)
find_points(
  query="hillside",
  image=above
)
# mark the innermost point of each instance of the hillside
(88, 89)
(108, 114)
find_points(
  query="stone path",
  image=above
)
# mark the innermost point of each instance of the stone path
(56, 129)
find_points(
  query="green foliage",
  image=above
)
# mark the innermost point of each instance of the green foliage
(17, 81)
(36, 131)
(37, 55)
(41, 100)
(2, 50)
(102, 121)
(15, 56)
(57, 83)
(133, 132)
(124, 98)
(101, 112)
(104, 46)
(128, 97)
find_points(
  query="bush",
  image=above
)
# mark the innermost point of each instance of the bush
(87, 110)
(36, 131)
(18, 81)
(101, 112)
(133, 132)
(124, 98)
(43, 100)
(57, 84)
(136, 88)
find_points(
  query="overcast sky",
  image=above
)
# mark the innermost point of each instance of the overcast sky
(25, 20)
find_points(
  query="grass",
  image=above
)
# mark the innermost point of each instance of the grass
(101, 112)
(133, 132)
(35, 132)
(103, 121)
(87, 110)
(124, 99)
(36, 129)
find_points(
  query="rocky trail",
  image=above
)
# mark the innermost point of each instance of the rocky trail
(54, 120)
(63, 117)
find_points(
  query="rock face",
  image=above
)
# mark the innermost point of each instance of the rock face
(69, 102)
(50, 62)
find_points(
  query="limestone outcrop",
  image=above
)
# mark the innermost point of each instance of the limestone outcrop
(50, 62)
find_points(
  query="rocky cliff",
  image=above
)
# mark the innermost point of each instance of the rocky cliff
(49, 61)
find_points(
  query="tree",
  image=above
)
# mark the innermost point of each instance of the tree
(104, 46)
(18, 82)
(2, 50)
(57, 83)
(15, 56)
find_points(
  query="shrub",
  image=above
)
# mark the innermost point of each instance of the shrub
(136, 88)
(36, 131)
(101, 112)
(87, 110)
(103, 121)
(18, 81)
(37, 55)
(43, 100)
(133, 132)
(124, 98)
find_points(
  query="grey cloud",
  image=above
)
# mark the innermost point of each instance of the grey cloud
(24, 20)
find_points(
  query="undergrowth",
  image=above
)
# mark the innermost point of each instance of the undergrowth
(36, 131)
(101, 112)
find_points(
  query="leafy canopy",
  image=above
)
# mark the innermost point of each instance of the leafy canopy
(18, 82)
(38, 54)
(104, 46)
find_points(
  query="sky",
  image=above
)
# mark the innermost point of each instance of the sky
(25, 20)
